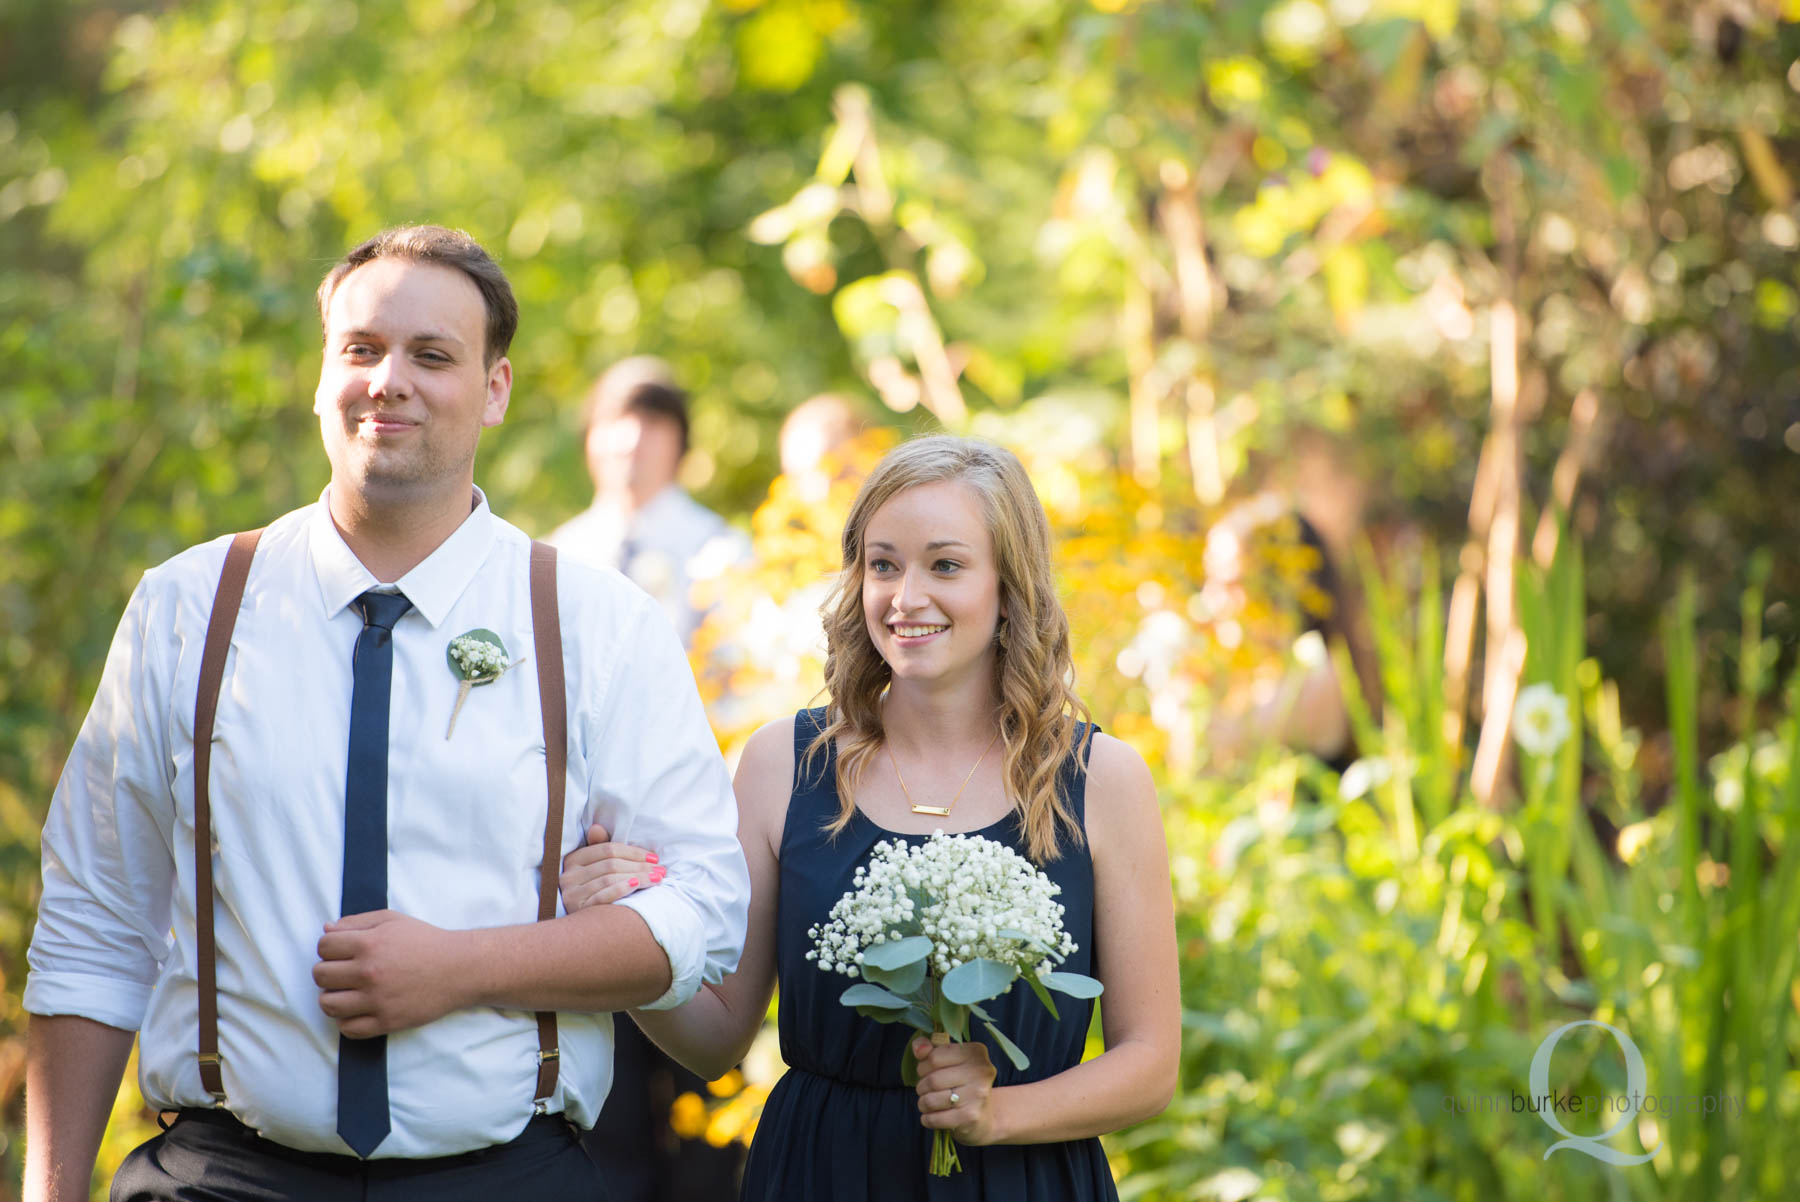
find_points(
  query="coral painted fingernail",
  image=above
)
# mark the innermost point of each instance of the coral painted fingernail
(657, 875)
(632, 882)
(651, 857)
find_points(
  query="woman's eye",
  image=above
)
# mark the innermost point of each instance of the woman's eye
(879, 565)
(945, 565)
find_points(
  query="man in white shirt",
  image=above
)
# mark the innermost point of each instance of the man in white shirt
(399, 557)
(642, 521)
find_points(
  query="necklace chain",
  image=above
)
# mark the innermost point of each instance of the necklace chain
(937, 811)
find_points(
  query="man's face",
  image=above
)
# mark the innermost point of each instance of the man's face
(637, 450)
(403, 392)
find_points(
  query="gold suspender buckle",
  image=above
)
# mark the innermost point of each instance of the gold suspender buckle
(552, 1054)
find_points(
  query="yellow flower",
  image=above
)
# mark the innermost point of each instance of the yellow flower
(687, 1116)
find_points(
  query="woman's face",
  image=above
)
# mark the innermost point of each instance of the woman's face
(930, 586)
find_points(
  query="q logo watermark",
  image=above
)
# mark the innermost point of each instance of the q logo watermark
(1592, 1145)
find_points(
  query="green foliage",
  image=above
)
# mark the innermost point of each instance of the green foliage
(1162, 235)
(1358, 981)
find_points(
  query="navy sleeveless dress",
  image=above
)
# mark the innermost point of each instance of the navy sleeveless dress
(839, 1126)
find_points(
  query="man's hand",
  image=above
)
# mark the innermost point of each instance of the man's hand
(382, 972)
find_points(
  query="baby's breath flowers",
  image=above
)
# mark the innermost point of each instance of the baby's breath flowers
(476, 658)
(935, 929)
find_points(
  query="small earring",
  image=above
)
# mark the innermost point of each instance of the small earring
(1000, 633)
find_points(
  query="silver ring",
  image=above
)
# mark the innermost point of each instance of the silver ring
(955, 1098)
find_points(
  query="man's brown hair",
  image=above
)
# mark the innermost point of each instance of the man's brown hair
(448, 248)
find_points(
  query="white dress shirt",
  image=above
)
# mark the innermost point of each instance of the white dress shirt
(115, 934)
(665, 548)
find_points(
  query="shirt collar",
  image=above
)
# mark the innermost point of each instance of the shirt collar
(433, 586)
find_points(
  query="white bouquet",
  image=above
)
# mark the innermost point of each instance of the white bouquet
(936, 929)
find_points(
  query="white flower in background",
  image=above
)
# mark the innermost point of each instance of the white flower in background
(1310, 651)
(1634, 839)
(1541, 719)
(1364, 775)
(1155, 647)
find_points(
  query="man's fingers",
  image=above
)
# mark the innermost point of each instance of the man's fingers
(360, 922)
(365, 1026)
(340, 945)
(338, 974)
(344, 1004)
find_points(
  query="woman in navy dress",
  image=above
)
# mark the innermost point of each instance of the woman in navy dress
(951, 709)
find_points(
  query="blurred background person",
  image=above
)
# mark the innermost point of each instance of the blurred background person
(761, 649)
(1264, 553)
(643, 523)
(812, 439)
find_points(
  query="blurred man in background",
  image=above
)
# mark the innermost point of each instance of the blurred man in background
(643, 523)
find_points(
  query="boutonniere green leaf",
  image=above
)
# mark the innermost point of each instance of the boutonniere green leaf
(476, 657)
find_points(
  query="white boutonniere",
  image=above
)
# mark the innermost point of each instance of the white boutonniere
(476, 658)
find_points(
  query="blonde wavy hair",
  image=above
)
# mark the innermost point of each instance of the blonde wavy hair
(1034, 669)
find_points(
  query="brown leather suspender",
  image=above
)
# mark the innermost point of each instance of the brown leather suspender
(206, 707)
(546, 627)
(547, 632)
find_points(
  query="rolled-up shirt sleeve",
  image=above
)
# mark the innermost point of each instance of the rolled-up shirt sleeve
(659, 782)
(103, 920)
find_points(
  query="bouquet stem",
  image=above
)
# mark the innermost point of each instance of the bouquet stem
(944, 1160)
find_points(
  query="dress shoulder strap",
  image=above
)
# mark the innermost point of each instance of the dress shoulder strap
(1074, 771)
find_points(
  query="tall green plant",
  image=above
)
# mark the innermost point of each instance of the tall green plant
(1348, 980)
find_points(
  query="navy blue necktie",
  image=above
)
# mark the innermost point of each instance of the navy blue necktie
(362, 1063)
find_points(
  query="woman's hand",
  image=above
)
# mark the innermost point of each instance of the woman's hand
(599, 871)
(956, 1090)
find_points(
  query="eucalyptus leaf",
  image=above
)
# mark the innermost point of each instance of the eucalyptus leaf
(904, 980)
(978, 980)
(952, 1018)
(1073, 983)
(898, 954)
(873, 996)
(1019, 1059)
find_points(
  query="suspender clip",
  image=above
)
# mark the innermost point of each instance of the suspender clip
(552, 1054)
(209, 1073)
